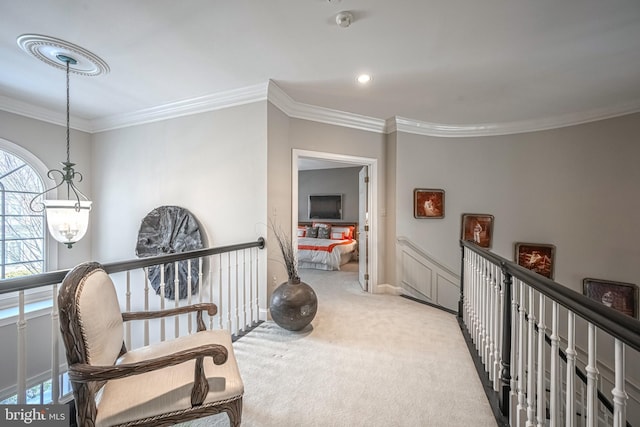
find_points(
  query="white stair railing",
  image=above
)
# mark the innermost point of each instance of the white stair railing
(542, 379)
(236, 294)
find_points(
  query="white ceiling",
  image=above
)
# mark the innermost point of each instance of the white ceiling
(448, 62)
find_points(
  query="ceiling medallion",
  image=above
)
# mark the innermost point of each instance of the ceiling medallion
(50, 49)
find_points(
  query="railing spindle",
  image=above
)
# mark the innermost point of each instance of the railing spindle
(176, 297)
(55, 348)
(619, 394)
(541, 393)
(22, 351)
(592, 380)
(531, 354)
(571, 367)
(554, 357)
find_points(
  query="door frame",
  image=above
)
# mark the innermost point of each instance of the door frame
(372, 201)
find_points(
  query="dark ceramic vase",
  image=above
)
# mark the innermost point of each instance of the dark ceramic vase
(293, 305)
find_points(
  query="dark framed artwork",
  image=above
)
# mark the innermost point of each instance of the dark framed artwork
(536, 257)
(617, 295)
(477, 228)
(428, 203)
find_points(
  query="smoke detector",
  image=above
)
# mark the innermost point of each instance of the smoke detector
(344, 19)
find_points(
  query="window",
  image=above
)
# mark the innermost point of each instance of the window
(22, 231)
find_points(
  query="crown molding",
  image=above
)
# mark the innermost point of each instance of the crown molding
(273, 93)
(43, 114)
(216, 101)
(298, 110)
(402, 124)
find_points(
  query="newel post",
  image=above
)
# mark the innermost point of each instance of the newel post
(461, 302)
(505, 362)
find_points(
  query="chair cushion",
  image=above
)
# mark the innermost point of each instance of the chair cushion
(168, 389)
(100, 318)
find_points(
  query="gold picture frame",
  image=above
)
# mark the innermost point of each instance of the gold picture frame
(428, 203)
(536, 257)
(477, 228)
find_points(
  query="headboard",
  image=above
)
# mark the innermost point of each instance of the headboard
(349, 230)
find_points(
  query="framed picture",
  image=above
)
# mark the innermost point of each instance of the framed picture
(536, 257)
(620, 296)
(428, 203)
(477, 228)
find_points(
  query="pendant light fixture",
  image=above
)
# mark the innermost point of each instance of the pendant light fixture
(67, 219)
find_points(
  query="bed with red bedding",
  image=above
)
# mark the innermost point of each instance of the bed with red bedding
(325, 246)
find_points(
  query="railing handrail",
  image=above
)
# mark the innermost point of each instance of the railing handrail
(54, 277)
(619, 325)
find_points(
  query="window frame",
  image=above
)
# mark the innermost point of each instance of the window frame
(50, 250)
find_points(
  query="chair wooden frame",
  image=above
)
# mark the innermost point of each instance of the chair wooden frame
(86, 379)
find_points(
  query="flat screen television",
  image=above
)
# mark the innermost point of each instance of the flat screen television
(325, 206)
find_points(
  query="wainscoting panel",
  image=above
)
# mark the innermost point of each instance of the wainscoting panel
(423, 277)
(417, 275)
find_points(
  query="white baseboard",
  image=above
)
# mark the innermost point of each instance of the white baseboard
(388, 289)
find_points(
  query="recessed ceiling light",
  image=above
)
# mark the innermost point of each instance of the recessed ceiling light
(364, 78)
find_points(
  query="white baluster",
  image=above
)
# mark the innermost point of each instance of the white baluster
(162, 302)
(176, 295)
(128, 308)
(55, 362)
(200, 279)
(244, 290)
(22, 351)
(486, 290)
(251, 307)
(257, 278)
(467, 286)
(522, 333)
(542, 392)
(229, 305)
(592, 380)
(236, 285)
(571, 369)
(531, 354)
(211, 280)
(221, 305)
(619, 394)
(497, 349)
(514, 414)
(491, 316)
(189, 281)
(146, 305)
(554, 381)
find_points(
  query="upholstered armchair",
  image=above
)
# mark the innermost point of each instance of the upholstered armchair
(160, 384)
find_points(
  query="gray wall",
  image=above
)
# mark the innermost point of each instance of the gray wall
(329, 181)
(286, 134)
(575, 187)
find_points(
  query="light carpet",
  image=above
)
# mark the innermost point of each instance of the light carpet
(366, 360)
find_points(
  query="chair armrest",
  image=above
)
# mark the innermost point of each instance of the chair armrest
(83, 372)
(210, 308)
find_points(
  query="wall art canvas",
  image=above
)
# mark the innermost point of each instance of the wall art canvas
(617, 295)
(428, 203)
(536, 257)
(477, 228)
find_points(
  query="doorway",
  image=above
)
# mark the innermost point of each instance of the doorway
(367, 223)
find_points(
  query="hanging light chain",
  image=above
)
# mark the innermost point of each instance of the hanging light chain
(68, 107)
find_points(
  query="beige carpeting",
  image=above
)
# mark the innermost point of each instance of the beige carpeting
(368, 360)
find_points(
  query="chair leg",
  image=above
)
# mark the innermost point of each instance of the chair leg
(235, 413)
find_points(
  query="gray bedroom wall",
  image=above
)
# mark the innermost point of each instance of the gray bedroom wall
(329, 181)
